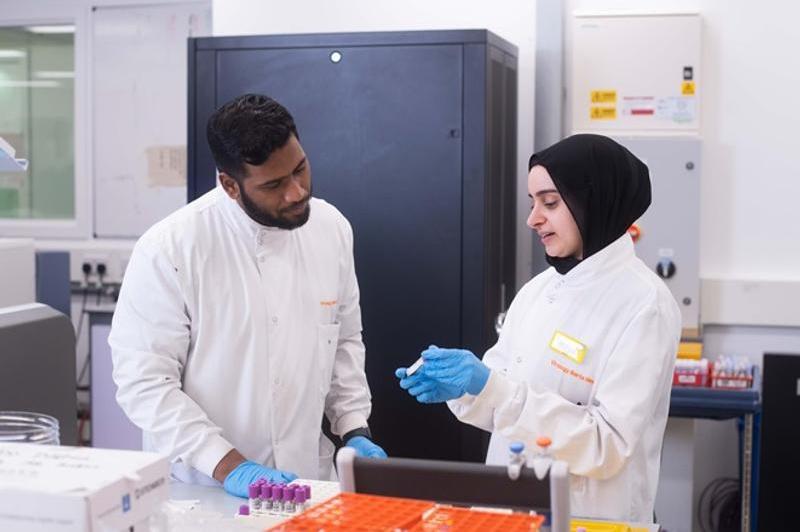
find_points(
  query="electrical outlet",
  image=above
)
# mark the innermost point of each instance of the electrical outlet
(113, 254)
(99, 261)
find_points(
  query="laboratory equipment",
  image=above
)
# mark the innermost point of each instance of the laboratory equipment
(691, 373)
(635, 74)
(265, 497)
(38, 361)
(732, 373)
(360, 512)
(639, 79)
(414, 367)
(17, 262)
(414, 140)
(460, 483)
(780, 433)
(516, 459)
(28, 427)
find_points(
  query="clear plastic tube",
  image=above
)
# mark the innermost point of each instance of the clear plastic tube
(28, 427)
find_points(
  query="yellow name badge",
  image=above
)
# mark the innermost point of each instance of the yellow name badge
(568, 346)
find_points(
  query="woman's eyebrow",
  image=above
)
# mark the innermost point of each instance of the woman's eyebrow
(543, 192)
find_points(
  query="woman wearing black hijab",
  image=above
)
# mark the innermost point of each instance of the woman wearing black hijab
(587, 349)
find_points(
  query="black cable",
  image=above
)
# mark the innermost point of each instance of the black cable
(719, 507)
(77, 337)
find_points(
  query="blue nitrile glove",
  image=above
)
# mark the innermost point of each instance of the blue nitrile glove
(365, 447)
(446, 374)
(247, 472)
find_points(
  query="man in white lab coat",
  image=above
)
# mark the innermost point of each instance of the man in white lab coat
(238, 324)
(586, 353)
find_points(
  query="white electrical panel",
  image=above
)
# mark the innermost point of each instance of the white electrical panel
(635, 74)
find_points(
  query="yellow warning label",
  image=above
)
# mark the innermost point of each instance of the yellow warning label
(602, 113)
(604, 96)
(687, 88)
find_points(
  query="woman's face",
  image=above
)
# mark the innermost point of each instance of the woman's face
(551, 218)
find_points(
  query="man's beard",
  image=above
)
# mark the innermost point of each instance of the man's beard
(265, 218)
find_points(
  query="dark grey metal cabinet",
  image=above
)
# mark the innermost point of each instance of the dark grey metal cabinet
(412, 135)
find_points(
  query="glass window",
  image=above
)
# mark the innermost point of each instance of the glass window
(37, 77)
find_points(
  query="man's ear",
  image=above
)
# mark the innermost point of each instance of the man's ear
(230, 185)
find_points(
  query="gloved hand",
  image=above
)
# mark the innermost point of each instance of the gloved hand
(365, 447)
(247, 472)
(446, 374)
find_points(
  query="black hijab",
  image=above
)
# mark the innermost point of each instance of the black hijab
(604, 185)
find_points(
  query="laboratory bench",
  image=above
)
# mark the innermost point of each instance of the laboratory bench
(215, 499)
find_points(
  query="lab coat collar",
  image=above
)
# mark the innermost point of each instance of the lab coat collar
(255, 235)
(607, 260)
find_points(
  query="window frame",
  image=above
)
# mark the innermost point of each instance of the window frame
(77, 14)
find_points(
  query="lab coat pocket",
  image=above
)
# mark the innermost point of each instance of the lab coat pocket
(576, 388)
(327, 341)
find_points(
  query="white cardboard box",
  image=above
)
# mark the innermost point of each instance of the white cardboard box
(60, 488)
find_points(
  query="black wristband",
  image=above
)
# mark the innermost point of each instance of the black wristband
(361, 431)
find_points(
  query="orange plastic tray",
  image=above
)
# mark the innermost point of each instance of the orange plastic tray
(357, 512)
(367, 513)
(444, 518)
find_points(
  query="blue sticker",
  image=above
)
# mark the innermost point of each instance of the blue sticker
(126, 502)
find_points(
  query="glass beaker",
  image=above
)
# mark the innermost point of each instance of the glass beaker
(28, 427)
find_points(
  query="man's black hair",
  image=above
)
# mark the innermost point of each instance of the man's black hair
(247, 129)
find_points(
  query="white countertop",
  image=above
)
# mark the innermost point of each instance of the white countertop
(215, 499)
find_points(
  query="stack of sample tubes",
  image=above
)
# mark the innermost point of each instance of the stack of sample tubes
(266, 497)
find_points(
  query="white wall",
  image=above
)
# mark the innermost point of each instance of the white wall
(751, 172)
(514, 20)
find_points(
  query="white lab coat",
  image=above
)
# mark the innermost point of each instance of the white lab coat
(230, 334)
(605, 415)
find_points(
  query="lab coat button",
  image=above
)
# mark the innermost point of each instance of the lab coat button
(275, 319)
(519, 360)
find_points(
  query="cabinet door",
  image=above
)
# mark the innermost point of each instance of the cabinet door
(382, 131)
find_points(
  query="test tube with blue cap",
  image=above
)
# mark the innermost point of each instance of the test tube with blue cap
(516, 459)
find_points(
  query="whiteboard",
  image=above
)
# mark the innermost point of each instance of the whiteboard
(139, 74)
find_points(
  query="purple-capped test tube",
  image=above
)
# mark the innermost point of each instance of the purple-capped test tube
(288, 499)
(244, 509)
(266, 497)
(277, 498)
(300, 499)
(253, 502)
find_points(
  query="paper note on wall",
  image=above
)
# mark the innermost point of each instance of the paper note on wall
(166, 166)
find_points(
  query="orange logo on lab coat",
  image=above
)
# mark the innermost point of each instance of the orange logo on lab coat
(571, 372)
